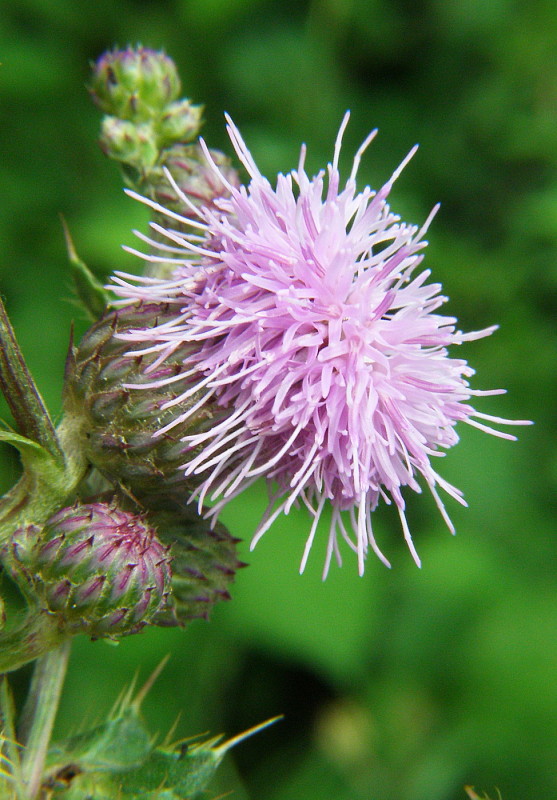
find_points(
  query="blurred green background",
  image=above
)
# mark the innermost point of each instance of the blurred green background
(405, 684)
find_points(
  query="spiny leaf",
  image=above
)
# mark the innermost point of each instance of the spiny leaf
(186, 771)
(115, 745)
(118, 761)
(120, 743)
(241, 737)
(148, 685)
(179, 773)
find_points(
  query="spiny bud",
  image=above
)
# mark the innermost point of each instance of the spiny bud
(135, 83)
(101, 570)
(117, 425)
(204, 563)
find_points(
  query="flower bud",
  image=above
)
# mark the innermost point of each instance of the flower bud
(103, 571)
(135, 84)
(125, 141)
(180, 122)
(116, 425)
(204, 564)
(194, 177)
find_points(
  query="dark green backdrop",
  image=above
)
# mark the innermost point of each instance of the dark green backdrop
(406, 684)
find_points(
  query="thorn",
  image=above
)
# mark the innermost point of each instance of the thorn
(146, 688)
(172, 730)
(230, 743)
(124, 699)
(70, 247)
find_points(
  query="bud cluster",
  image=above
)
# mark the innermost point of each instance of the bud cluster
(109, 568)
(135, 83)
(152, 133)
(139, 90)
(117, 427)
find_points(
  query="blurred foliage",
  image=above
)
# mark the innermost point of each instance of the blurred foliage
(406, 684)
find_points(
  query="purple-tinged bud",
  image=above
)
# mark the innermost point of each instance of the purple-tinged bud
(117, 425)
(195, 178)
(135, 84)
(101, 570)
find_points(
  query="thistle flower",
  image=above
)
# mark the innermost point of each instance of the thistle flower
(101, 570)
(315, 329)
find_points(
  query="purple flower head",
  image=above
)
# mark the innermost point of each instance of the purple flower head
(316, 329)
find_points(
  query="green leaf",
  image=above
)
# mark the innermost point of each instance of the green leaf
(103, 787)
(47, 481)
(21, 393)
(85, 785)
(91, 293)
(27, 447)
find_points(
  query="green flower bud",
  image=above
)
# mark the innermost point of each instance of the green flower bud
(180, 122)
(100, 570)
(133, 144)
(204, 564)
(117, 425)
(135, 84)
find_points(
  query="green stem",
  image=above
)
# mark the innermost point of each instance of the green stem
(31, 500)
(10, 748)
(44, 699)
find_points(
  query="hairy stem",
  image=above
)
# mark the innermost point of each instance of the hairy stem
(41, 709)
